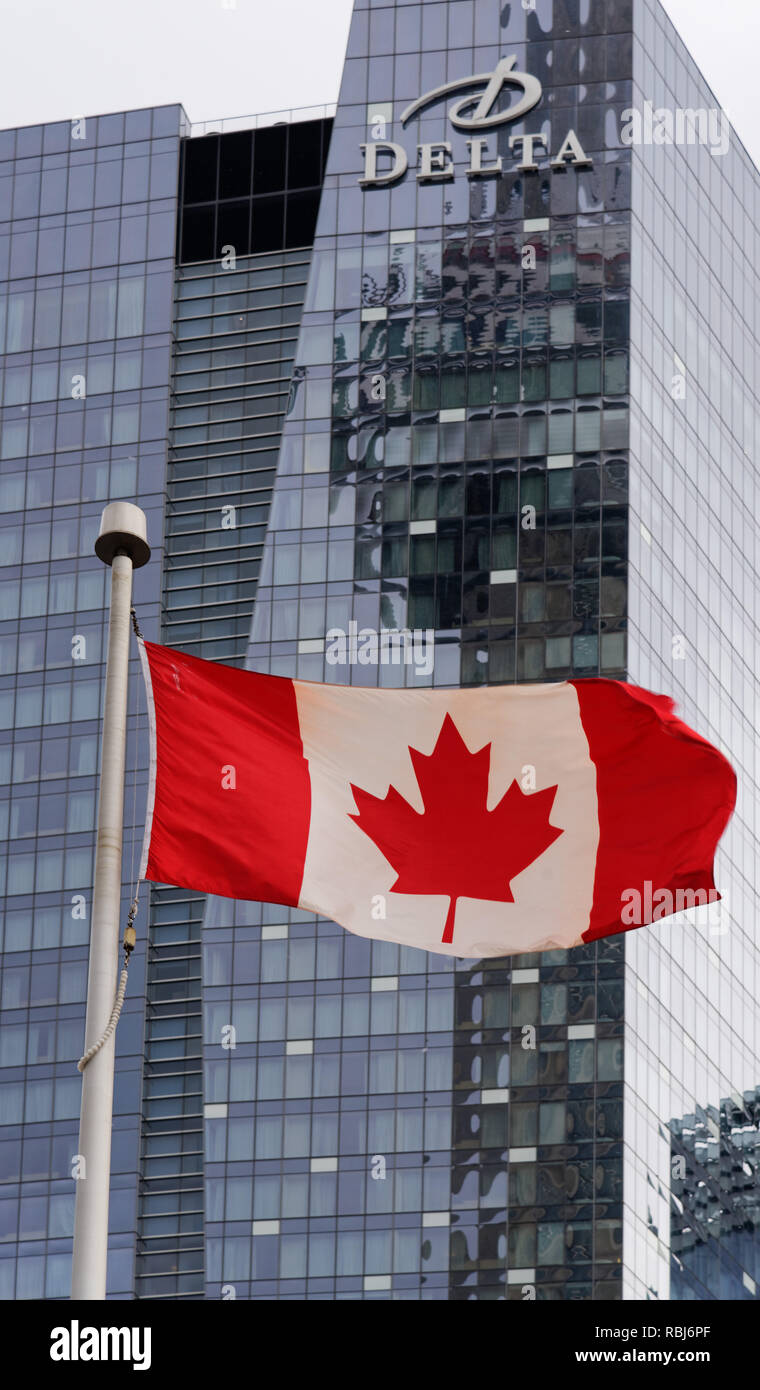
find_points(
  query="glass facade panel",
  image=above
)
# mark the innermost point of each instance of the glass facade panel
(86, 259)
(692, 1035)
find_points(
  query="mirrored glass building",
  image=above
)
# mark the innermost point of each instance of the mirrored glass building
(476, 359)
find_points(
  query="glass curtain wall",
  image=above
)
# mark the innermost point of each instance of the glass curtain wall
(391, 1124)
(692, 1031)
(87, 226)
(236, 325)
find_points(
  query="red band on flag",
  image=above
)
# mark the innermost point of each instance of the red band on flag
(232, 797)
(665, 796)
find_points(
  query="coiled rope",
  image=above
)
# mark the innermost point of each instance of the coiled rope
(128, 945)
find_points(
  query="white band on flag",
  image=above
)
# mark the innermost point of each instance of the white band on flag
(152, 764)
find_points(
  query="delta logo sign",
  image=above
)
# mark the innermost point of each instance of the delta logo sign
(385, 162)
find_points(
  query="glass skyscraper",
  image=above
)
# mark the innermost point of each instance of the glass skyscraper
(425, 367)
(89, 211)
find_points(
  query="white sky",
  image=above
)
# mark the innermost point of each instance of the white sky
(60, 58)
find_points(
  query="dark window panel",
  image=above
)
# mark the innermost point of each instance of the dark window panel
(267, 230)
(304, 154)
(233, 227)
(270, 159)
(302, 210)
(198, 234)
(235, 163)
(201, 161)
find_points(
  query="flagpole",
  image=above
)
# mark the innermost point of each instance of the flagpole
(122, 544)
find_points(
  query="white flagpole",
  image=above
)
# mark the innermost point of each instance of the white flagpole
(123, 545)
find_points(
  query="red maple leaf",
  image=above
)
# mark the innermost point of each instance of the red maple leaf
(456, 846)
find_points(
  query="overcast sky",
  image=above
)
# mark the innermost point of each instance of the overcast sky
(60, 58)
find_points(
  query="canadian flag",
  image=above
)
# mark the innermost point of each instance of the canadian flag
(473, 822)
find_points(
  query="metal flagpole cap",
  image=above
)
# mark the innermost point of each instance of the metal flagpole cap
(123, 527)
